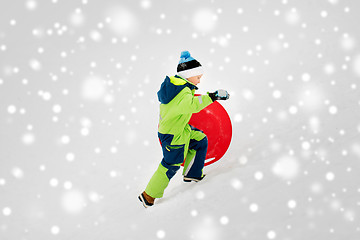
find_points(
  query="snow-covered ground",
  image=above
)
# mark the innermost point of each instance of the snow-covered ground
(79, 112)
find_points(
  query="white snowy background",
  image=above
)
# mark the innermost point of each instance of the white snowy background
(79, 112)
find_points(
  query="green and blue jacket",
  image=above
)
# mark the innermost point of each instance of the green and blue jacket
(178, 103)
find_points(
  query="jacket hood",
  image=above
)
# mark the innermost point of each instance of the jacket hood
(169, 90)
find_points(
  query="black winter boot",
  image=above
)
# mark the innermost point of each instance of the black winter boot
(189, 179)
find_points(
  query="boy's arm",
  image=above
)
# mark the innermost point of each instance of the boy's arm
(192, 104)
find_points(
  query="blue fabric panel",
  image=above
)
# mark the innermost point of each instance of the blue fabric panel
(168, 91)
(173, 154)
(172, 169)
(201, 148)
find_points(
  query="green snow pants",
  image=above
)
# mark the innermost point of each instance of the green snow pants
(193, 150)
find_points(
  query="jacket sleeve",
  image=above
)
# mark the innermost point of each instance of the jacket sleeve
(192, 104)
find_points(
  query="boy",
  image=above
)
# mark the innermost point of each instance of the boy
(178, 139)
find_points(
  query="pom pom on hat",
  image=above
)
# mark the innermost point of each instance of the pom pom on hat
(188, 66)
(185, 56)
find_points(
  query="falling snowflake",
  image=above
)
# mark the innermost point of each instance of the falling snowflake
(73, 201)
(204, 20)
(286, 168)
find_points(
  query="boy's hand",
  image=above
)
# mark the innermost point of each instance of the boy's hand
(219, 95)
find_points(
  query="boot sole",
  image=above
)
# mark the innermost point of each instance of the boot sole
(187, 179)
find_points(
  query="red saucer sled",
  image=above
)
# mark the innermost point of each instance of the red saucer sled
(215, 122)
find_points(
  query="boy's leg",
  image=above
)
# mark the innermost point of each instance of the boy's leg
(160, 180)
(196, 155)
(189, 158)
(173, 158)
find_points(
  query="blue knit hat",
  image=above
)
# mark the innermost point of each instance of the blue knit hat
(188, 66)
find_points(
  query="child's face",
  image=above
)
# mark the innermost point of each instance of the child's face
(195, 80)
